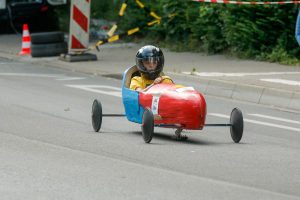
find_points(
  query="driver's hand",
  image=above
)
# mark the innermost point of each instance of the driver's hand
(139, 89)
(158, 80)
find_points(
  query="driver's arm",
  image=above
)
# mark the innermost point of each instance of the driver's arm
(166, 79)
(136, 84)
(158, 80)
(163, 79)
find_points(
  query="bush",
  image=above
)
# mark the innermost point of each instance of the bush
(258, 32)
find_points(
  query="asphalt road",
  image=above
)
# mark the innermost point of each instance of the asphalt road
(48, 149)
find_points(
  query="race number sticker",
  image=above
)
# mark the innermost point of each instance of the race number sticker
(154, 107)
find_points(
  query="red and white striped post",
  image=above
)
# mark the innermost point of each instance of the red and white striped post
(79, 25)
(79, 32)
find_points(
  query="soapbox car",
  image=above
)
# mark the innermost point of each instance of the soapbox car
(165, 105)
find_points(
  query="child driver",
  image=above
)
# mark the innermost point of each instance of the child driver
(150, 62)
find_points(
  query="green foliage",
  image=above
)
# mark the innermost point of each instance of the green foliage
(104, 9)
(177, 26)
(208, 29)
(254, 30)
(263, 32)
(279, 55)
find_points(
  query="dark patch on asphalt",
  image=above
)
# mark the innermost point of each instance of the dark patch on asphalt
(115, 76)
(4, 59)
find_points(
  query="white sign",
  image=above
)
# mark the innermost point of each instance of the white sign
(154, 107)
(2, 4)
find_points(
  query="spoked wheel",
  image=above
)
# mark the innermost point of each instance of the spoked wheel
(96, 115)
(237, 125)
(147, 125)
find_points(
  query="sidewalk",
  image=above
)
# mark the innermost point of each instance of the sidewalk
(257, 82)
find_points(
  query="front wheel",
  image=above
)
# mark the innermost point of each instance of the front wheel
(147, 125)
(96, 115)
(237, 125)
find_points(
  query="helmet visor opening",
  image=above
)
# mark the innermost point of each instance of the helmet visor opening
(150, 63)
(150, 60)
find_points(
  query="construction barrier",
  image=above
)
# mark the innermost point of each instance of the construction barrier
(79, 25)
(122, 12)
(79, 33)
(113, 38)
(151, 13)
(127, 33)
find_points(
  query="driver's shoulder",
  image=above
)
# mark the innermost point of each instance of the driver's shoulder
(136, 78)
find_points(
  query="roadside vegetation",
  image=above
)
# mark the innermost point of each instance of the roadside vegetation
(261, 32)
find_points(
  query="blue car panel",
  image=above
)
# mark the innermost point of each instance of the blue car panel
(133, 110)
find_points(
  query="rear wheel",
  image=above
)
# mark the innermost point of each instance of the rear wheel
(96, 115)
(147, 125)
(237, 122)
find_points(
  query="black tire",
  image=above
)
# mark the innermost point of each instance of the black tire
(147, 125)
(47, 37)
(45, 50)
(237, 128)
(96, 115)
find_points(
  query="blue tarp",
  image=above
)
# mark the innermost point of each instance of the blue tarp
(297, 31)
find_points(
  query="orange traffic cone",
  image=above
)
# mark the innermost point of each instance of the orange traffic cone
(26, 41)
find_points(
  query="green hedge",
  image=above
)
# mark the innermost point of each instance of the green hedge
(264, 32)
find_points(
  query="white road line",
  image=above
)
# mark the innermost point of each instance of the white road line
(8, 63)
(70, 78)
(275, 118)
(282, 81)
(59, 77)
(220, 74)
(102, 89)
(258, 122)
(33, 75)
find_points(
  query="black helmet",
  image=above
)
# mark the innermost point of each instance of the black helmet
(151, 54)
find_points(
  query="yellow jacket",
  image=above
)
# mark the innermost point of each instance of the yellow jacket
(142, 82)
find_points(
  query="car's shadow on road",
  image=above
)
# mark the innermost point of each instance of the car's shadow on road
(158, 136)
(171, 138)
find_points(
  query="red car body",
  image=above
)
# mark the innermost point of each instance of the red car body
(165, 105)
(175, 105)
